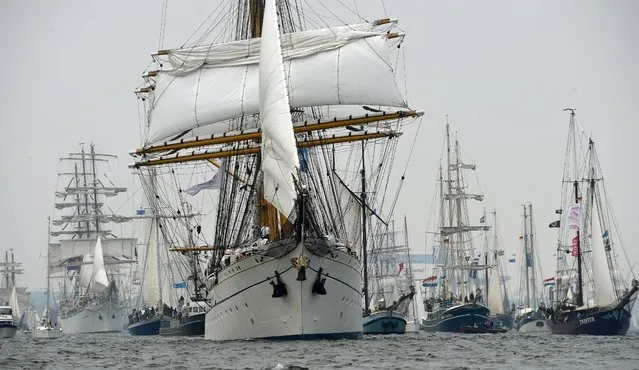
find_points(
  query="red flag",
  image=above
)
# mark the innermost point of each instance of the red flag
(575, 246)
(401, 267)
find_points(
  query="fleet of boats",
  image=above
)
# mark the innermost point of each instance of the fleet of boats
(297, 240)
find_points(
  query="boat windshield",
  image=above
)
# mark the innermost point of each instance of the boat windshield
(5, 311)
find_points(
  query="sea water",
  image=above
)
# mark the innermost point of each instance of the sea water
(411, 351)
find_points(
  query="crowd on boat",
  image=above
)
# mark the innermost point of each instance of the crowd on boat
(149, 312)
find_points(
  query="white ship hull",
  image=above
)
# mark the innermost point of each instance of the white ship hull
(8, 331)
(104, 319)
(242, 305)
(536, 326)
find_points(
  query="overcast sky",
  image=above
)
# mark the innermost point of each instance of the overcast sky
(501, 70)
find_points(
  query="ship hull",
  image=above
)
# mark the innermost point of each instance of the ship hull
(243, 305)
(533, 325)
(503, 321)
(385, 322)
(8, 330)
(107, 318)
(613, 321)
(189, 326)
(149, 326)
(454, 319)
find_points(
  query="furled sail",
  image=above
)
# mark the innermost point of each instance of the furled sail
(208, 85)
(604, 291)
(279, 152)
(100, 279)
(122, 248)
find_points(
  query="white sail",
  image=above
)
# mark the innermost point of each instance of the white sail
(86, 272)
(151, 290)
(348, 68)
(100, 279)
(15, 306)
(279, 152)
(602, 283)
(495, 298)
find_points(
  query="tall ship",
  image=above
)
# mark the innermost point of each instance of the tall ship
(10, 294)
(391, 284)
(529, 316)
(453, 298)
(591, 296)
(278, 108)
(91, 265)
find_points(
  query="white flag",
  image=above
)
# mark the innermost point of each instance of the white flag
(573, 217)
(214, 183)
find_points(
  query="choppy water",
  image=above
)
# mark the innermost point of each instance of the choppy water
(412, 351)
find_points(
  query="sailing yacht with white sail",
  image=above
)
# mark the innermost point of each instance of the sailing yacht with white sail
(529, 317)
(496, 297)
(283, 264)
(591, 297)
(43, 328)
(86, 258)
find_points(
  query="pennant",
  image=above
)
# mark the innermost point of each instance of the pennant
(555, 224)
(401, 267)
(558, 211)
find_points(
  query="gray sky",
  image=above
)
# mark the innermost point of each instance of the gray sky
(502, 70)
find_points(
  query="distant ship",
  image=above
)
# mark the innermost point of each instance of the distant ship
(391, 284)
(91, 262)
(10, 294)
(529, 317)
(591, 298)
(454, 301)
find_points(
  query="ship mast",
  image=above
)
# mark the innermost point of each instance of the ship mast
(364, 241)
(526, 275)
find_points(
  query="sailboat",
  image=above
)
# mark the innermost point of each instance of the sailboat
(43, 329)
(529, 317)
(86, 258)
(590, 298)
(392, 286)
(283, 264)
(496, 297)
(453, 299)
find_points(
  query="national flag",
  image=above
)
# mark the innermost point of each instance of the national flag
(140, 212)
(549, 281)
(302, 156)
(401, 267)
(512, 259)
(575, 246)
(605, 234)
(214, 183)
(482, 219)
(430, 282)
(558, 211)
(179, 285)
(555, 224)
